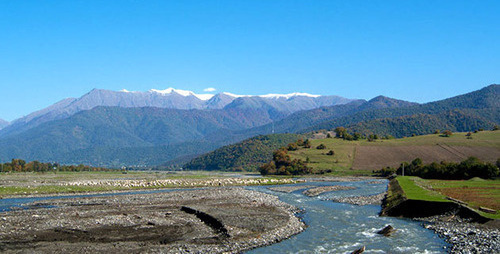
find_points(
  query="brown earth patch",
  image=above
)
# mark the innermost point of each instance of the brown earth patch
(478, 196)
(377, 157)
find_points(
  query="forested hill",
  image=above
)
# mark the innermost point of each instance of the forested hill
(302, 121)
(118, 132)
(245, 155)
(480, 107)
(381, 115)
(420, 124)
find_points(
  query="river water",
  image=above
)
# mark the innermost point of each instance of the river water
(343, 228)
(332, 227)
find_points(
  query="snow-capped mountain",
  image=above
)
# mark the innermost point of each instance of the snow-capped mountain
(278, 105)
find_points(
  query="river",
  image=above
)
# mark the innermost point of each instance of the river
(343, 228)
(332, 227)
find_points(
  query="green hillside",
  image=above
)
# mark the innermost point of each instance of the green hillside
(478, 109)
(361, 157)
(247, 155)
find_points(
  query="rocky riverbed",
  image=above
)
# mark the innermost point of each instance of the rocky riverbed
(320, 190)
(213, 220)
(361, 200)
(464, 236)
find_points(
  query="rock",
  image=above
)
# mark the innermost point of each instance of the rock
(387, 231)
(358, 251)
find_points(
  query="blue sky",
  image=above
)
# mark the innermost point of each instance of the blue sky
(414, 50)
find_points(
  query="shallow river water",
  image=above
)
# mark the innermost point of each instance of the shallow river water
(332, 227)
(343, 228)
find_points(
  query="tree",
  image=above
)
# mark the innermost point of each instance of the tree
(495, 128)
(328, 135)
(292, 147)
(321, 146)
(300, 142)
(340, 132)
(307, 144)
(446, 133)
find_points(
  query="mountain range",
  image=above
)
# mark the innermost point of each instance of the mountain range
(277, 105)
(142, 129)
(381, 115)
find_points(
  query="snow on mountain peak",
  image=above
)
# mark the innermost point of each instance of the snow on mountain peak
(207, 96)
(171, 90)
(288, 96)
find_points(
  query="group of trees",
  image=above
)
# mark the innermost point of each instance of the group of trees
(282, 164)
(18, 165)
(341, 132)
(466, 169)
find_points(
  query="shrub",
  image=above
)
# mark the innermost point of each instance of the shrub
(321, 146)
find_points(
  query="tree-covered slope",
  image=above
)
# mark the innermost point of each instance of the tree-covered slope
(483, 103)
(419, 124)
(245, 155)
(112, 128)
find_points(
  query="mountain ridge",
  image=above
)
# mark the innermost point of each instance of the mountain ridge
(276, 104)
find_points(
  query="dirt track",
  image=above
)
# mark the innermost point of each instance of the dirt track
(377, 157)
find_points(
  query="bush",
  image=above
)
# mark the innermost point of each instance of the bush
(331, 152)
(321, 146)
(384, 172)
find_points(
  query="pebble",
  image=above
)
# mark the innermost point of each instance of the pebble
(464, 236)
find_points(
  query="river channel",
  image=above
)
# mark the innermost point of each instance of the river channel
(332, 227)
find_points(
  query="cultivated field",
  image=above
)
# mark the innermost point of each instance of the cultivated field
(360, 157)
(475, 192)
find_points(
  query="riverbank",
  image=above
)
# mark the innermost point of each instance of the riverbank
(465, 229)
(213, 220)
(464, 235)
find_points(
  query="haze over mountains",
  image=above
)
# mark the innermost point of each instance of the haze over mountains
(109, 128)
(276, 105)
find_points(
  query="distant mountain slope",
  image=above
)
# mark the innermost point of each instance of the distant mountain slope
(381, 115)
(277, 106)
(114, 127)
(245, 155)
(3, 123)
(304, 120)
(486, 99)
(419, 124)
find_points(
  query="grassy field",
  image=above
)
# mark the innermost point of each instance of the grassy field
(475, 192)
(415, 192)
(360, 157)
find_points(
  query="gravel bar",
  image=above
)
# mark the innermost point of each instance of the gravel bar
(151, 223)
(320, 190)
(464, 236)
(361, 200)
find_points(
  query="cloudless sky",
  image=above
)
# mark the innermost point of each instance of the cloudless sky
(413, 50)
